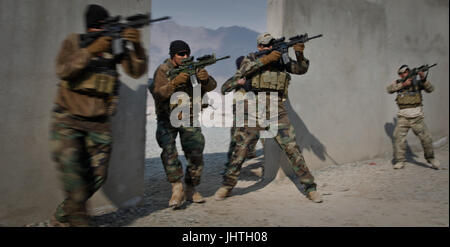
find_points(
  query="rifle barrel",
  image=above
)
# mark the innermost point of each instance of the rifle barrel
(314, 37)
(222, 58)
(160, 19)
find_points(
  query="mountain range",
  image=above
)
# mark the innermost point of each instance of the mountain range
(233, 41)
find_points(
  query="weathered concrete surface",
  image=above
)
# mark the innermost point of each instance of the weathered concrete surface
(32, 32)
(340, 108)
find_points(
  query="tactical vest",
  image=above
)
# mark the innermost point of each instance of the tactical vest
(273, 79)
(409, 97)
(268, 81)
(97, 79)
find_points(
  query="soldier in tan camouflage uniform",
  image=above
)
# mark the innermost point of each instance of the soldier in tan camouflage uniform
(267, 74)
(86, 99)
(410, 116)
(192, 139)
(235, 84)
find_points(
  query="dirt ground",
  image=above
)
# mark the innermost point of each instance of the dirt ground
(365, 193)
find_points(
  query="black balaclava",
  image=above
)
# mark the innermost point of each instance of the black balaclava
(94, 14)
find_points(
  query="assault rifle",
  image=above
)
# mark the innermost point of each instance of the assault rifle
(282, 46)
(113, 28)
(190, 67)
(414, 72)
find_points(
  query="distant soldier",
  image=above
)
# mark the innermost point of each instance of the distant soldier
(192, 139)
(410, 115)
(268, 74)
(81, 120)
(236, 84)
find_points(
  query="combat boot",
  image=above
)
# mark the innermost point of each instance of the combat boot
(192, 195)
(58, 222)
(399, 165)
(177, 198)
(222, 193)
(79, 220)
(59, 218)
(314, 196)
(434, 163)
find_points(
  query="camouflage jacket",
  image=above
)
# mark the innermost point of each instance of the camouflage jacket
(71, 62)
(163, 90)
(230, 85)
(252, 65)
(398, 87)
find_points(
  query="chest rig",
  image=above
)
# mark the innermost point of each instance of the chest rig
(409, 97)
(98, 78)
(272, 79)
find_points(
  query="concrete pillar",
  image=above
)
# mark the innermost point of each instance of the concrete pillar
(340, 108)
(32, 32)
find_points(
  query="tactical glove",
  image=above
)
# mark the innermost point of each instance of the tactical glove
(132, 34)
(407, 83)
(299, 47)
(100, 45)
(202, 75)
(180, 79)
(270, 58)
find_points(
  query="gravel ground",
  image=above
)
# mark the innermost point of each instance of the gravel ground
(365, 193)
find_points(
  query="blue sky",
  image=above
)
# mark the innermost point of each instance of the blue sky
(214, 13)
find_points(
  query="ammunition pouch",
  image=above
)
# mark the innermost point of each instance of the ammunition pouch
(270, 81)
(98, 78)
(95, 84)
(409, 99)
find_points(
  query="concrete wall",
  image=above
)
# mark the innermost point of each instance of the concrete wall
(340, 108)
(32, 32)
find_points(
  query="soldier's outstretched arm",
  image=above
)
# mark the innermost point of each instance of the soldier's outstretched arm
(230, 85)
(210, 84)
(135, 62)
(162, 87)
(394, 87)
(71, 59)
(248, 67)
(298, 67)
(301, 65)
(428, 87)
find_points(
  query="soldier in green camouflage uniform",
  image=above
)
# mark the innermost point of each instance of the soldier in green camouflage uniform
(410, 116)
(235, 84)
(192, 139)
(267, 74)
(80, 128)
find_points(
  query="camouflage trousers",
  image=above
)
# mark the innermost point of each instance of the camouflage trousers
(192, 143)
(247, 137)
(82, 158)
(251, 148)
(419, 128)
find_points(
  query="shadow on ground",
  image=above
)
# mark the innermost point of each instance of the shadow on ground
(410, 156)
(157, 189)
